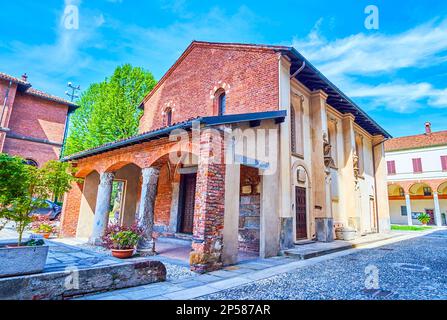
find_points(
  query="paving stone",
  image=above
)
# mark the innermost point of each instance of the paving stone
(190, 283)
(222, 273)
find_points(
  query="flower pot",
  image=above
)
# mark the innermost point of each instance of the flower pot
(122, 254)
(15, 260)
(345, 234)
(46, 235)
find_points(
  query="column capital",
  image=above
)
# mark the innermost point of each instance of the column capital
(319, 93)
(106, 178)
(348, 116)
(149, 172)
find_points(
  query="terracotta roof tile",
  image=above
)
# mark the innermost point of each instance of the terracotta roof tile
(417, 141)
(38, 93)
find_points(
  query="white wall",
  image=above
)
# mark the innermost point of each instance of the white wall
(431, 163)
(416, 206)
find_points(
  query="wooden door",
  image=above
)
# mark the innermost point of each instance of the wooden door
(431, 213)
(188, 193)
(300, 207)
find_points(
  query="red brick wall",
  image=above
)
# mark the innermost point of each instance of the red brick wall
(70, 210)
(7, 112)
(39, 152)
(250, 78)
(164, 198)
(37, 118)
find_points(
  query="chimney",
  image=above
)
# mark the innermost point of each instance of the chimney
(25, 77)
(427, 128)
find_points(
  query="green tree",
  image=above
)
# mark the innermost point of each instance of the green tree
(109, 110)
(24, 188)
(58, 176)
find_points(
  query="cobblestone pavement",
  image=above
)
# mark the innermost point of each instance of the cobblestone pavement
(410, 269)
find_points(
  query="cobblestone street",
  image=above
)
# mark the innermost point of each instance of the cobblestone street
(410, 269)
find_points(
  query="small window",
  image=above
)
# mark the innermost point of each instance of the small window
(31, 162)
(427, 191)
(168, 117)
(391, 166)
(222, 100)
(403, 211)
(444, 163)
(417, 165)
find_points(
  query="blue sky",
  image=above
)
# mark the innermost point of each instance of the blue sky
(396, 73)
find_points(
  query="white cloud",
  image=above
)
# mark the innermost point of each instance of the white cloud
(348, 60)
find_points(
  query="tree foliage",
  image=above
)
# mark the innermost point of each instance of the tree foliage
(109, 110)
(24, 188)
(58, 176)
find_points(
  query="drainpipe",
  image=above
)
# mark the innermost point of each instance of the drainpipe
(67, 123)
(4, 103)
(299, 70)
(375, 182)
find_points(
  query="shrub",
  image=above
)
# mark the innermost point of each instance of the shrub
(121, 237)
(424, 218)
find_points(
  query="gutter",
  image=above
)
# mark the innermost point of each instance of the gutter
(334, 87)
(277, 116)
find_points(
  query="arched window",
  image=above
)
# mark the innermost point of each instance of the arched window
(221, 103)
(31, 162)
(168, 117)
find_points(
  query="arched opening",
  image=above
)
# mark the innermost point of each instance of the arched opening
(395, 190)
(421, 189)
(301, 203)
(397, 204)
(167, 115)
(249, 228)
(220, 101)
(422, 201)
(442, 198)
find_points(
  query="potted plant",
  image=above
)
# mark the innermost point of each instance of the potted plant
(44, 229)
(23, 188)
(121, 240)
(424, 218)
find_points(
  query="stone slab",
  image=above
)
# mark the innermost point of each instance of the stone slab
(64, 284)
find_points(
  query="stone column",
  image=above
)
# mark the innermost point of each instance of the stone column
(348, 193)
(438, 218)
(146, 245)
(101, 217)
(408, 204)
(318, 120)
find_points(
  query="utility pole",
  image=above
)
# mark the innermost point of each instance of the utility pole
(72, 96)
(73, 88)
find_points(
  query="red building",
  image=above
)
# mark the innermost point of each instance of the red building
(32, 122)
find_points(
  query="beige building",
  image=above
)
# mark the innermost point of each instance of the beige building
(305, 159)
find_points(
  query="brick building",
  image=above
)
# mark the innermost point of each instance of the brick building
(241, 148)
(32, 122)
(417, 177)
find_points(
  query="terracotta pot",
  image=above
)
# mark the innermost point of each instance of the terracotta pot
(45, 235)
(122, 254)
